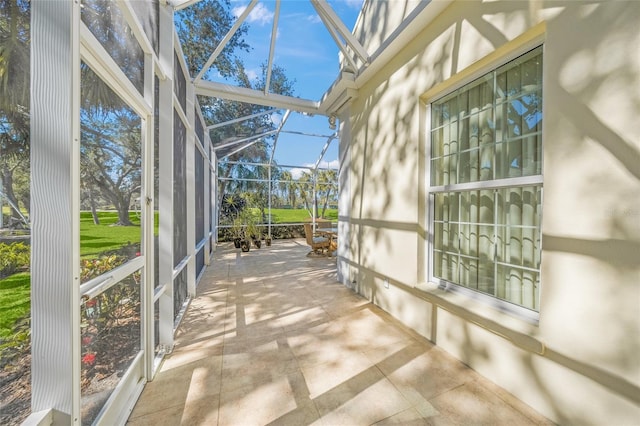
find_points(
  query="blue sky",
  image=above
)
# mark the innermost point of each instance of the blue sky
(309, 55)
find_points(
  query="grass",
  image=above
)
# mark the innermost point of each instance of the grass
(15, 294)
(96, 239)
(298, 215)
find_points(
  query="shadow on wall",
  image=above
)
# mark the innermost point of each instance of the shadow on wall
(385, 141)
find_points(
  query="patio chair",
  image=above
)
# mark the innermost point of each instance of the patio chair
(318, 243)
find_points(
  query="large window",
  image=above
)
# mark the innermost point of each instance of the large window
(486, 184)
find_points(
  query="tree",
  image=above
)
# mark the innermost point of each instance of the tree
(305, 190)
(201, 27)
(110, 156)
(327, 187)
(14, 96)
(258, 152)
(288, 188)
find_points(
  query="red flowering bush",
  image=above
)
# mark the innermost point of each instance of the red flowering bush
(89, 359)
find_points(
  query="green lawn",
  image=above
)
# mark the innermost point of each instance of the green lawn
(95, 239)
(14, 301)
(298, 215)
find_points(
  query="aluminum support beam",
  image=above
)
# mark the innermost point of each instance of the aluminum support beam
(241, 148)
(324, 151)
(242, 94)
(275, 143)
(325, 11)
(226, 39)
(238, 120)
(181, 4)
(336, 38)
(55, 202)
(237, 141)
(165, 193)
(272, 48)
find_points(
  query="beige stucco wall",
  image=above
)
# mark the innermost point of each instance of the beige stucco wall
(580, 364)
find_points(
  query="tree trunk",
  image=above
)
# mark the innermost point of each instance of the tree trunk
(325, 202)
(94, 213)
(123, 213)
(7, 182)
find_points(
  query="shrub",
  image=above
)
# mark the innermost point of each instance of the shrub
(13, 258)
(91, 268)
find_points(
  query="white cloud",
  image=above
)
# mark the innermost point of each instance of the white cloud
(296, 173)
(252, 74)
(314, 19)
(335, 164)
(259, 14)
(354, 4)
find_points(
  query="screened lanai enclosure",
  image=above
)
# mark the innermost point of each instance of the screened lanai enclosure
(144, 154)
(478, 162)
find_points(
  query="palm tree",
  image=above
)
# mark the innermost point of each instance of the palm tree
(327, 187)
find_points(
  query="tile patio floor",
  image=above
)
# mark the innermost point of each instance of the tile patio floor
(273, 339)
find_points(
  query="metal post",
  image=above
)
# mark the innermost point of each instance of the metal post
(55, 195)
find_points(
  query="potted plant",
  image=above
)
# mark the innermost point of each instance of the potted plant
(250, 230)
(236, 231)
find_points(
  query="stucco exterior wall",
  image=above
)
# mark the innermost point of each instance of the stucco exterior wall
(579, 364)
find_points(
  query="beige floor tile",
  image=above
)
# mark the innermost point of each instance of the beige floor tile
(160, 416)
(475, 405)
(202, 411)
(321, 378)
(171, 386)
(422, 372)
(257, 404)
(302, 319)
(322, 349)
(273, 339)
(255, 365)
(410, 417)
(364, 399)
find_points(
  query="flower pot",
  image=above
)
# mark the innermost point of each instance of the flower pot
(236, 242)
(244, 245)
(257, 243)
(268, 241)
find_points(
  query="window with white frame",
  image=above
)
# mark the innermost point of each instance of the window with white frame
(486, 184)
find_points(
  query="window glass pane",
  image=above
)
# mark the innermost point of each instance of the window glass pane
(491, 128)
(105, 21)
(110, 176)
(110, 340)
(437, 264)
(437, 148)
(437, 174)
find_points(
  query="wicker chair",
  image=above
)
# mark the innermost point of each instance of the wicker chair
(318, 243)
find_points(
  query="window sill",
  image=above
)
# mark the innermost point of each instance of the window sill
(519, 331)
